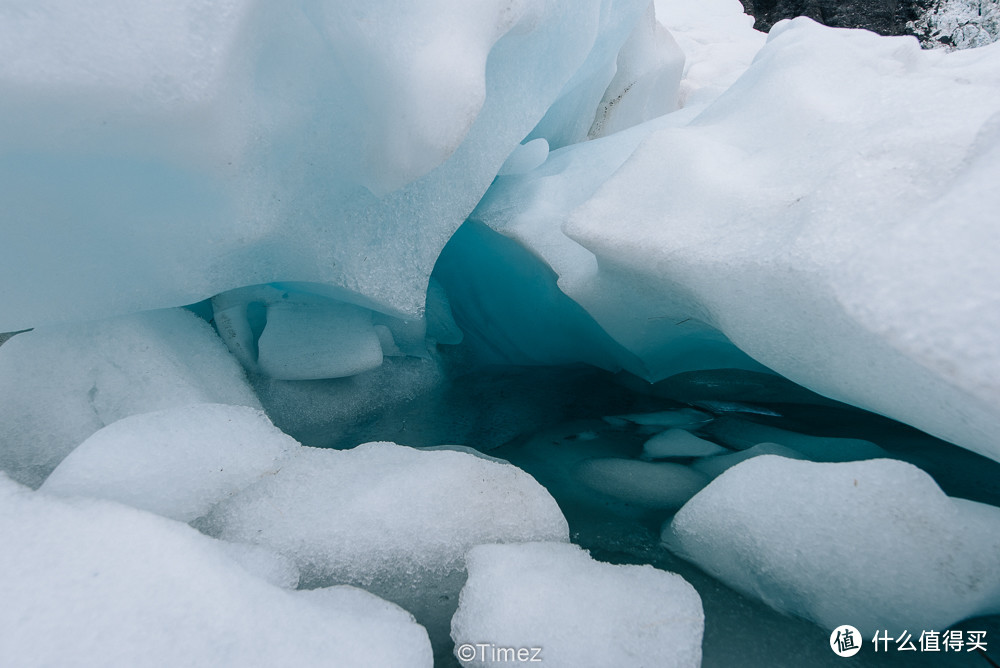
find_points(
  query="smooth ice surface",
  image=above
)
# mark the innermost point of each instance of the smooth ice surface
(655, 485)
(88, 582)
(59, 385)
(177, 462)
(579, 611)
(392, 519)
(679, 443)
(154, 156)
(875, 544)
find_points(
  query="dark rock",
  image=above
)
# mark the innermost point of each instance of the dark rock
(886, 17)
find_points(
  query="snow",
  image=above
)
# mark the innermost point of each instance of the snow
(875, 542)
(578, 611)
(958, 24)
(59, 385)
(394, 520)
(91, 582)
(177, 462)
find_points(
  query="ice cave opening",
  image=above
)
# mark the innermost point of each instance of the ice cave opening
(590, 333)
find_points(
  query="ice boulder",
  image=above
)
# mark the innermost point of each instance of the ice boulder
(392, 519)
(574, 610)
(178, 462)
(59, 385)
(88, 582)
(875, 544)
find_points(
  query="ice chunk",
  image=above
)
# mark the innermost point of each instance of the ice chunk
(59, 385)
(647, 484)
(715, 466)
(577, 611)
(741, 434)
(875, 544)
(87, 580)
(177, 462)
(679, 443)
(303, 342)
(395, 520)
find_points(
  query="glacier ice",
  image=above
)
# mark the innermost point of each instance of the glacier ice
(178, 462)
(394, 520)
(578, 611)
(395, 218)
(163, 155)
(874, 542)
(60, 384)
(92, 582)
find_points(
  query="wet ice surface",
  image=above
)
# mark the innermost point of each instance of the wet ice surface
(553, 419)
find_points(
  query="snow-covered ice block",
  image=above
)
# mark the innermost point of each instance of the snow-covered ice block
(654, 485)
(59, 385)
(88, 582)
(874, 544)
(178, 462)
(715, 466)
(154, 156)
(392, 519)
(741, 434)
(304, 342)
(679, 443)
(577, 611)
